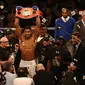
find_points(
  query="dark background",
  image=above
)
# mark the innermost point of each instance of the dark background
(80, 4)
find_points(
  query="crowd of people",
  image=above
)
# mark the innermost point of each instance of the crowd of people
(29, 55)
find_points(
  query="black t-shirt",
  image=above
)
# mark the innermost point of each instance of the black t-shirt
(43, 53)
(12, 43)
(63, 52)
(4, 54)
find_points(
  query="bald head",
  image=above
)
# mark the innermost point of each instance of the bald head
(3, 39)
(40, 67)
(4, 42)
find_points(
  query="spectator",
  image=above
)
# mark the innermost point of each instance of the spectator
(43, 77)
(61, 59)
(80, 25)
(2, 77)
(13, 40)
(68, 79)
(9, 73)
(50, 17)
(23, 78)
(44, 53)
(4, 54)
(78, 59)
(64, 25)
(44, 34)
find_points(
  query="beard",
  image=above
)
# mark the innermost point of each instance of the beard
(27, 36)
(65, 17)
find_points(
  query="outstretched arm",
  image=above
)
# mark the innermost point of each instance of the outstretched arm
(17, 27)
(36, 29)
(38, 22)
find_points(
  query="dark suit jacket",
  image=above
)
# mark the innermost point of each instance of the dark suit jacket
(80, 57)
(80, 71)
(79, 26)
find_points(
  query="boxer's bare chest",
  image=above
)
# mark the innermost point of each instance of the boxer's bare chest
(27, 48)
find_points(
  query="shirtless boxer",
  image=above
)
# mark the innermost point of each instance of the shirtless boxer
(27, 42)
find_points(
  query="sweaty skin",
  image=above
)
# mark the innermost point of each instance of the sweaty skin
(27, 48)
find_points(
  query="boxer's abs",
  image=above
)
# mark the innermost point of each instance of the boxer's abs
(27, 55)
(27, 49)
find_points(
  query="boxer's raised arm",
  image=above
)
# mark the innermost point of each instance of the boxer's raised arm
(38, 21)
(18, 30)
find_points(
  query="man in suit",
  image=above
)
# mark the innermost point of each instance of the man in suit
(80, 26)
(79, 58)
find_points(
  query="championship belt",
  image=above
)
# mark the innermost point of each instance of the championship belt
(27, 13)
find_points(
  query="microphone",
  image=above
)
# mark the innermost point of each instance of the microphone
(58, 27)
